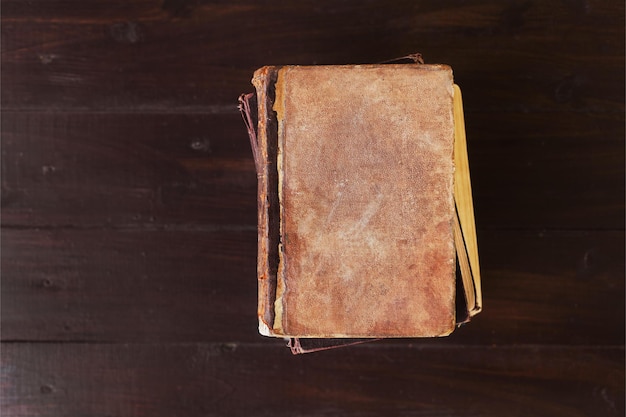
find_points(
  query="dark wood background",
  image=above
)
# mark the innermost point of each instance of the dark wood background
(129, 199)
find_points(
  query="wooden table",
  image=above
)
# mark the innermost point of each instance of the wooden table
(129, 209)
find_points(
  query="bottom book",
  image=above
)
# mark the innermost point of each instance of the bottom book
(366, 224)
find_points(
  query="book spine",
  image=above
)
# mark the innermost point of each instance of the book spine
(268, 215)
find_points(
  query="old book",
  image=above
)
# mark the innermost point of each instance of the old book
(359, 233)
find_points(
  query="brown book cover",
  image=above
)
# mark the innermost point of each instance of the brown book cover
(357, 221)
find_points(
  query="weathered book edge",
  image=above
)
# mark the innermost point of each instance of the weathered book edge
(465, 225)
(267, 174)
(279, 111)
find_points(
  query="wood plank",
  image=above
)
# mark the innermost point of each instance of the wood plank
(116, 170)
(198, 56)
(239, 380)
(530, 170)
(129, 285)
(547, 171)
(194, 286)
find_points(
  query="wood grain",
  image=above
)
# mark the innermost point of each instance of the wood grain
(385, 379)
(190, 286)
(198, 55)
(129, 216)
(114, 170)
(531, 170)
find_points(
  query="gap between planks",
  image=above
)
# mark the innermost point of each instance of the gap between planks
(415, 344)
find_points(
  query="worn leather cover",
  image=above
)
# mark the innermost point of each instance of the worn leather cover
(364, 165)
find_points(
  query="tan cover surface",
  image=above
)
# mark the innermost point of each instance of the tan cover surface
(365, 171)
